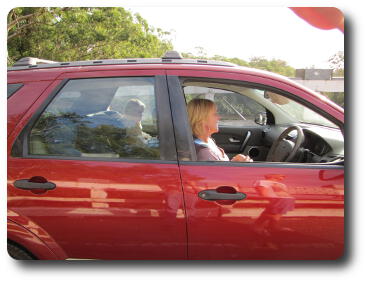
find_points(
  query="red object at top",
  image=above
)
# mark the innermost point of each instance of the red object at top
(321, 17)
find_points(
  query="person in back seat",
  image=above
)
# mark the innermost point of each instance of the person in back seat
(133, 114)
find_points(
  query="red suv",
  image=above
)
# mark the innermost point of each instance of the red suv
(87, 181)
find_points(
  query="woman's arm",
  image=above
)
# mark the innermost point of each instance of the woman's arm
(241, 158)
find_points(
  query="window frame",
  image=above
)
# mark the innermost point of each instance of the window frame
(187, 153)
(167, 148)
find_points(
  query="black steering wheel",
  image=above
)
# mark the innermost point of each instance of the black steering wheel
(284, 150)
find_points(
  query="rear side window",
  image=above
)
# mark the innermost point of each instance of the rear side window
(102, 117)
(13, 88)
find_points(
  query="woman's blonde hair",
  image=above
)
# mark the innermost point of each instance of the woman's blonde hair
(198, 110)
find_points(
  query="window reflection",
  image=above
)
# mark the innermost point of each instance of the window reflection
(105, 118)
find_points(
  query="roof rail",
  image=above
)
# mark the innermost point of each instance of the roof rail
(29, 61)
(172, 57)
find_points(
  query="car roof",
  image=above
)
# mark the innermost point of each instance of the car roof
(31, 69)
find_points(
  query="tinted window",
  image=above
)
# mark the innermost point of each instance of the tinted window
(12, 88)
(103, 117)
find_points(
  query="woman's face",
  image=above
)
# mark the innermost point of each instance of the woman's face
(211, 123)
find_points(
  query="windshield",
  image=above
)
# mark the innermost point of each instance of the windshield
(305, 115)
(297, 110)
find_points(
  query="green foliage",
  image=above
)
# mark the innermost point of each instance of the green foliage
(336, 62)
(274, 65)
(337, 97)
(69, 34)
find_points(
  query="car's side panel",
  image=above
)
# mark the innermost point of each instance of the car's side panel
(291, 211)
(29, 241)
(37, 231)
(20, 102)
(288, 213)
(104, 209)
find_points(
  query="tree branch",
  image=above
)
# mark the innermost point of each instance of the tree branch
(21, 18)
(20, 30)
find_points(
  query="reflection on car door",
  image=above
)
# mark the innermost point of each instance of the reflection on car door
(102, 208)
(291, 211)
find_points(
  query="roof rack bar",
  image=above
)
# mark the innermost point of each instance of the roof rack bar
(172, 55)
(31, 61)
(171, 58)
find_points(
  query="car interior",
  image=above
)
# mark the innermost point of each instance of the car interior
(268, 126)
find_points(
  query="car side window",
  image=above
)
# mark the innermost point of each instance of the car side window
(99, 117)
(234, 109)
(258, 123)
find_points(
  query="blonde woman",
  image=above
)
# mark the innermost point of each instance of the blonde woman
(204, 119)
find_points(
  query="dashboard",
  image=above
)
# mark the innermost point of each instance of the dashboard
(321, 144)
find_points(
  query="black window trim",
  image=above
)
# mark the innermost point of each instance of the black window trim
(18, 86)
(189, 158)
(266, 164)
(182, 129)
(168, 153)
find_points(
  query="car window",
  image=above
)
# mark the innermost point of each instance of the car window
(252, 121)
(297, 111)
(234, 109)
(101, 117)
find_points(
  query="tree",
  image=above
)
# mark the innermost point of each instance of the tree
(336, 62)
(275, 65)
(69, 34)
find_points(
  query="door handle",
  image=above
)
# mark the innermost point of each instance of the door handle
(215, 195)
(35, 183)
(233, 140)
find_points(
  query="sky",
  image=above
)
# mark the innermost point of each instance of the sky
(245, 32)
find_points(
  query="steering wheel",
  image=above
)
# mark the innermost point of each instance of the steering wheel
(284, 150)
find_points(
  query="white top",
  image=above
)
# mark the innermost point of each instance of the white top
(210, 152)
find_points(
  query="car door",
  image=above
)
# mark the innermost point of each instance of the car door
(86, 181)
(259, 210)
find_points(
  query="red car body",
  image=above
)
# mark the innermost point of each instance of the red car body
(151, 210)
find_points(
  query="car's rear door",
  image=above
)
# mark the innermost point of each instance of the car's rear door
(303, 202)
(84, 187)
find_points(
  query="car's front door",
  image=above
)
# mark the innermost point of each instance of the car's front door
(85, 176)
(276, 210)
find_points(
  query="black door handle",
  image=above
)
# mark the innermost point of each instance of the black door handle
(26, 184)
(214, 195)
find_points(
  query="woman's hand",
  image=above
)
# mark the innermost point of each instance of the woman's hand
(241, 158)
